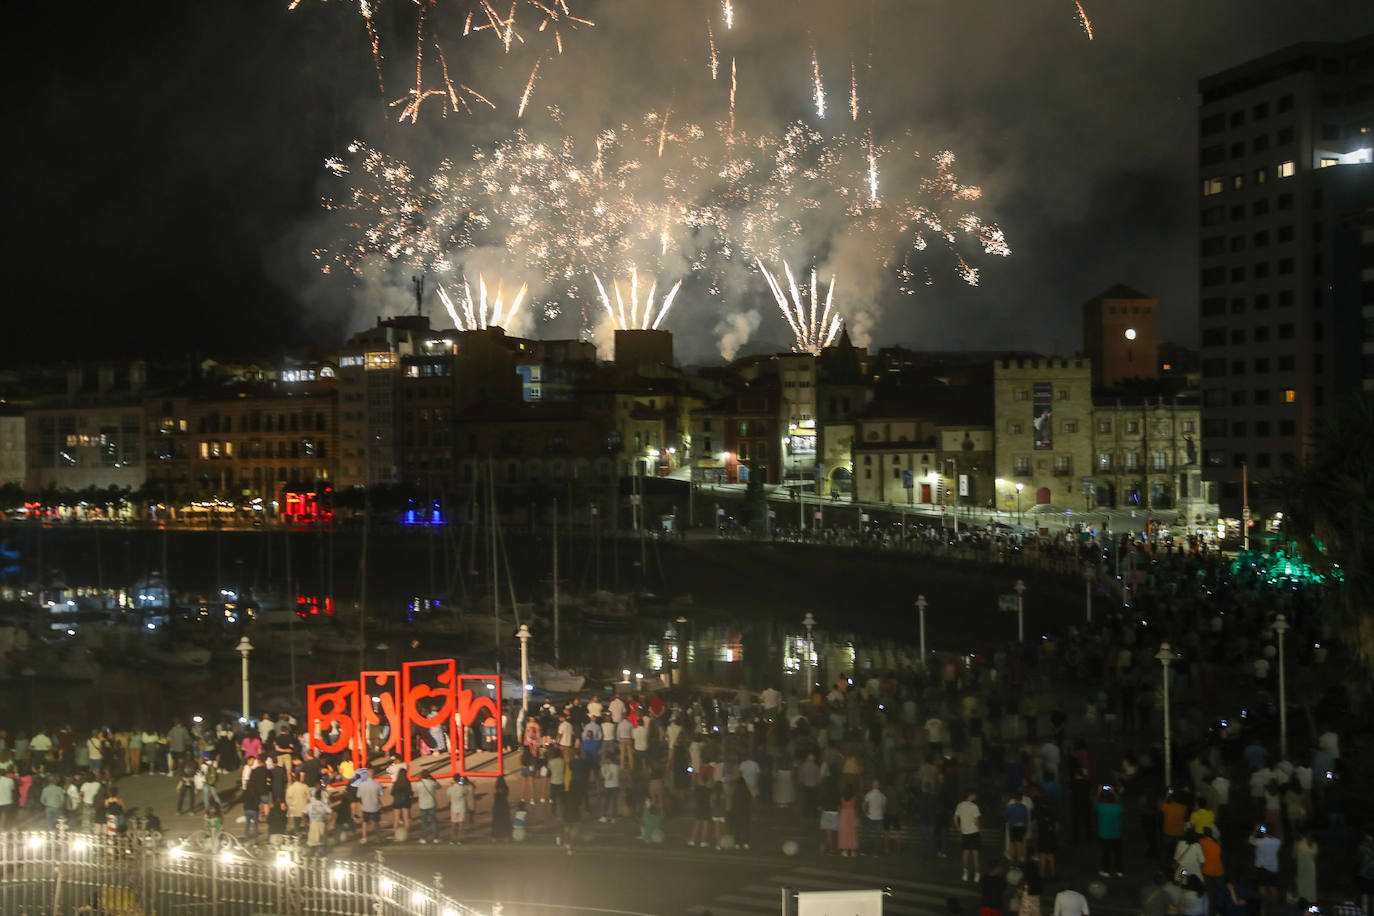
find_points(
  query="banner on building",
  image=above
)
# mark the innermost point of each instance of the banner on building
(963, 485)
(1042, 415)
(424, 709)
(840, 903)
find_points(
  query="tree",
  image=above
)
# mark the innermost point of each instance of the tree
(1328, 511)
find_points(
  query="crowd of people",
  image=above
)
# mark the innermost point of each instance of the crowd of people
(1054, 746)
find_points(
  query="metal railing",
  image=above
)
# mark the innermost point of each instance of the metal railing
(60, 872)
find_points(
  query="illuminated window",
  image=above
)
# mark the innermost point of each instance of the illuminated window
(1288, 169)
(1290, 395)
(1213, 186)
(1328, 161)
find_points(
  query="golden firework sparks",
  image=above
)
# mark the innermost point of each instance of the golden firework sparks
(713, 58)
(538, 24)
(1083, 19)
(818, 89)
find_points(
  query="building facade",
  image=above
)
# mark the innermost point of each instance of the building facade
(92, 435)
(1146, 456)
(1284, 163)
(1043, 411)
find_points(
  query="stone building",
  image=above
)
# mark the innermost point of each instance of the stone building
(1043, 412)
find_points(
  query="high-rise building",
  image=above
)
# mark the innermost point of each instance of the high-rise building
(1285, 186)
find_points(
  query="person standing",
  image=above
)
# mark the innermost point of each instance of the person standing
(1108, 809)
(54, 802)
(500, 811)
(610, 787)
(1266, 866)
(557, 773)
(967, 818)
(402, 794)
(369, 800)
(297, 800)
(1305, 853)
(875, 810)
(1070, 903)
(992, 890)
(177, 739)
(427, 793)
(460, 799)
(1017, 817)
(1213, 872)
(741, 814)
(317, 814)
(849, 826)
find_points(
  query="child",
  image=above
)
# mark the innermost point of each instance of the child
(214, 820)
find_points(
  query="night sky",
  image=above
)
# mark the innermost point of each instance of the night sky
(165, 162)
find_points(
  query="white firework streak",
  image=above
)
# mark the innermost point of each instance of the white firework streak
(814, 328)
(481, 314)
(641, 315)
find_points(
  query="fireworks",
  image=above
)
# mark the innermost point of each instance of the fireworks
(481, 314)
(640, 312)
(1083, 19)
(539, 24)
(813, 327)
(392, 213)
(817, 89)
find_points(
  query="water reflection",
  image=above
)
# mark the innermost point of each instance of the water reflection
(756, 654)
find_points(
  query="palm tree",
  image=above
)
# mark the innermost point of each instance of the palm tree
(1329, 513)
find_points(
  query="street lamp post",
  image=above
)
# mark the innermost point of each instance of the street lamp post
(921, 606)
(809, 622)
(523, 634)
(1020, 589)
(244, 648)
(1088, 572)
(1281, 627)
(1165, 656)
(1020, 518)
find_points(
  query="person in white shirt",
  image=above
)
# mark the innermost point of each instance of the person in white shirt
(610, 789)
(935, 730)
(594, 709)
(266, 727)
(966, 818)
(1328, 741)
(624, 736)
(617, 709)
(565, 732)
(771, 698)
(875, 810)
(9, 794)
(460, 802)
(90, 790)
(1070, 903)
(641, 742)
(749, 772)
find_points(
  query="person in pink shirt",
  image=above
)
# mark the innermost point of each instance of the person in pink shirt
(252, 746)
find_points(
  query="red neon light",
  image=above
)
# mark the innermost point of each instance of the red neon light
(421, 695)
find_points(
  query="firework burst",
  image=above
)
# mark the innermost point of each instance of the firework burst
(813, 327)
(535, 25)
(481, 314)
(640, 314)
